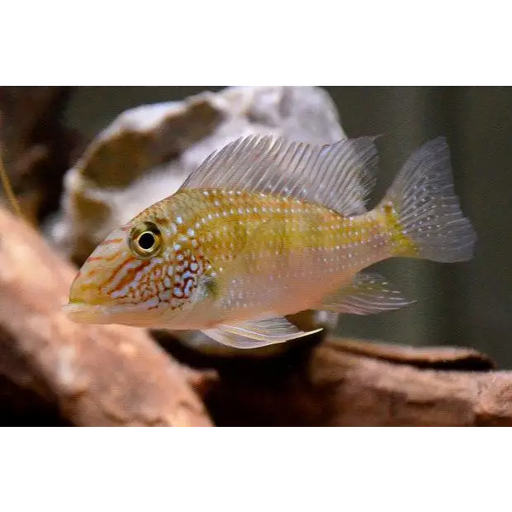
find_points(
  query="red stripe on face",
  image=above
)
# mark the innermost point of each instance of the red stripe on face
(95, 258)
(112, 241)
(130, 275)
(102, 258)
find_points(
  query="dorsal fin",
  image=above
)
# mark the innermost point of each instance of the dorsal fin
(338, 176)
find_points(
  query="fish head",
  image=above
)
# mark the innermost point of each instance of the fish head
(143, 274)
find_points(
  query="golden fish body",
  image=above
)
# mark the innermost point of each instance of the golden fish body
(232, 256)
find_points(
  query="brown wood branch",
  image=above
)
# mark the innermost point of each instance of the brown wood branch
(358, 383)
(96, 375)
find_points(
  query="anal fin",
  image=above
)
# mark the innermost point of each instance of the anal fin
(257, 333)
(368, 294)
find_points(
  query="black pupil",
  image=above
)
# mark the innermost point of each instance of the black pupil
(147, 240)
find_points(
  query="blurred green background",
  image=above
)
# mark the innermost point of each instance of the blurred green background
(466, 304)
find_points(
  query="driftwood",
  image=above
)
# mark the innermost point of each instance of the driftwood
(95, 375)
(112, 375)
(357, 383)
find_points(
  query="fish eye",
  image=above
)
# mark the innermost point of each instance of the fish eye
(145, 240)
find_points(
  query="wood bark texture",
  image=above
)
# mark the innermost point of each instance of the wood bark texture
(96, 375)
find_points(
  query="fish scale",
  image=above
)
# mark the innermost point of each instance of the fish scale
(222, 220)
(313, 243)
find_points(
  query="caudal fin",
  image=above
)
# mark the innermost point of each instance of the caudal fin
(423, 211)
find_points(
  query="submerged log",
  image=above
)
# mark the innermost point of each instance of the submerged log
(356, 383)
(94, 374)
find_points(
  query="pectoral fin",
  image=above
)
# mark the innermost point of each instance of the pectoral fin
(368, 294)
(257, 333)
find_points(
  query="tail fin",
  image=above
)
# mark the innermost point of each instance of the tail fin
(423, 211)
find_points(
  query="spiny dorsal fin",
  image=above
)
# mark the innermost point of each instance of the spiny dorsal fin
(338, 176)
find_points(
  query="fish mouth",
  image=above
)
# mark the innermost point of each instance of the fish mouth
(123, 314)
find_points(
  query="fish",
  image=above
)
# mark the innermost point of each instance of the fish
(268, 227)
